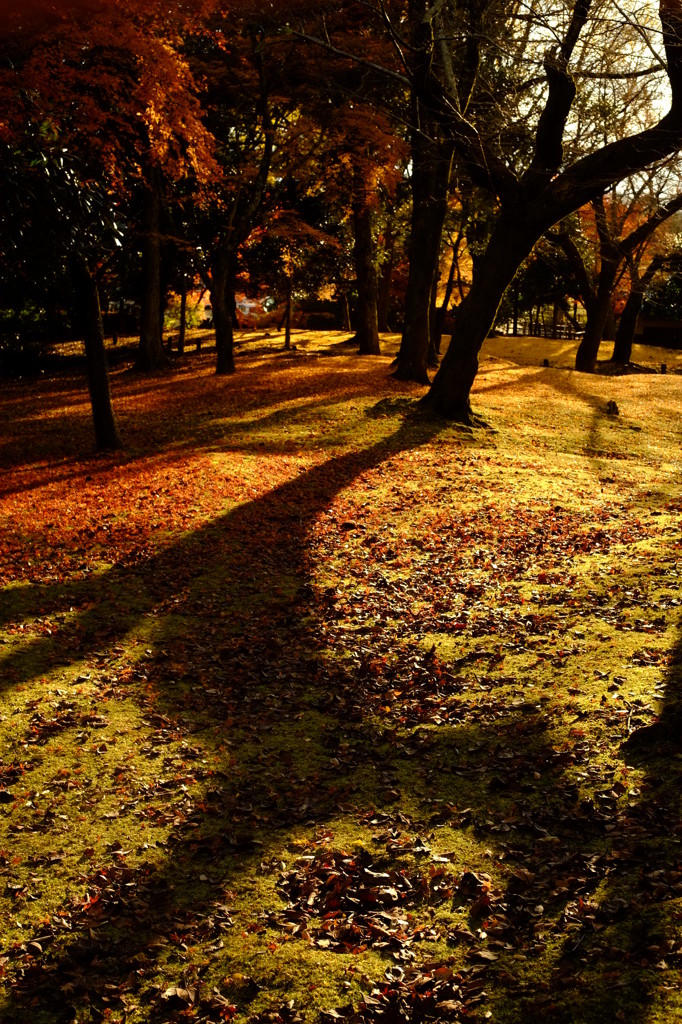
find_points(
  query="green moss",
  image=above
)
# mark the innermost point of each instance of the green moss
(423, 647)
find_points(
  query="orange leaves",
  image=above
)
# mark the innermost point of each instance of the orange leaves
(64, 516)
(365, 156)
(113, 85)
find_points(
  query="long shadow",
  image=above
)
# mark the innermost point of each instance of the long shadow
(265, 539)
(217, 435)
(622, 932)
(66, 438)
(621, 924)
(239, 585)
(257, 641)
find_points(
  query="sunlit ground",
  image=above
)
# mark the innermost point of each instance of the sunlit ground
(314, 708)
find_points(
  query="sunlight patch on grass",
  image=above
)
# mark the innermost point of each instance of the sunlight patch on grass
(307, 695)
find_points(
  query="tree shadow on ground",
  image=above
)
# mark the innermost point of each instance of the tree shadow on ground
(248, 649)
(622, 933)
(142, 406)
(620, 940)
(233, 587)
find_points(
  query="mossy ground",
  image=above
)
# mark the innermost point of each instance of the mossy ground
(299, 658)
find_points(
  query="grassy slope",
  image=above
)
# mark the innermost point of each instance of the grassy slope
(304, 698)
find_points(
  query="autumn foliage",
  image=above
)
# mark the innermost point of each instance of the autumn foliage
(308, 699)
(317, 703)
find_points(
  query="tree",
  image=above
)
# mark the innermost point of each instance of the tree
(370, 167)
(664, 260)
(229, 54)
(103, 96)
(367, 279)
(393, 229)
(664, 299)
(298, 257)
(107, 434)
(546, 277)
(616, 232)
(541, 193)
(627, 325)
(357, 164)
(70, 222)
(520, 144)
(431, 164)
(151, 354)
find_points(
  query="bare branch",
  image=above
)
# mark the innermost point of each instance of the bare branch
(398, 43)
(387, 72)
(552, 123)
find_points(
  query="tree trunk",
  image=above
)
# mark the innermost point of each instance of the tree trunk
(625, 335)
(442, 312)
(588, 349)
(611, 324)
(365, 258)
(556, 319)
(222, 293)
(287, 316)
(430, 179)
(107, 436)
(509, 245)
(544, 193)
(343, 313)
(384, 294)
(151, 354)
(433, 356)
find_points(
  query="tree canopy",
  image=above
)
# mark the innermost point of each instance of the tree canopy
(195, 127)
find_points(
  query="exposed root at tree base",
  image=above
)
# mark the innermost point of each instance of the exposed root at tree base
(611, 369)
(464, 416)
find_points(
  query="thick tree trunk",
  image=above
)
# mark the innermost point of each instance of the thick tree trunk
(543, 194)
(430, 179)
(510, 243)
(597, 317)
(107, 436)
(625, 335)
(151, 354)
(365, 258)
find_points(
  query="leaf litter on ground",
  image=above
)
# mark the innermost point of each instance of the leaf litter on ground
(316, 710)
